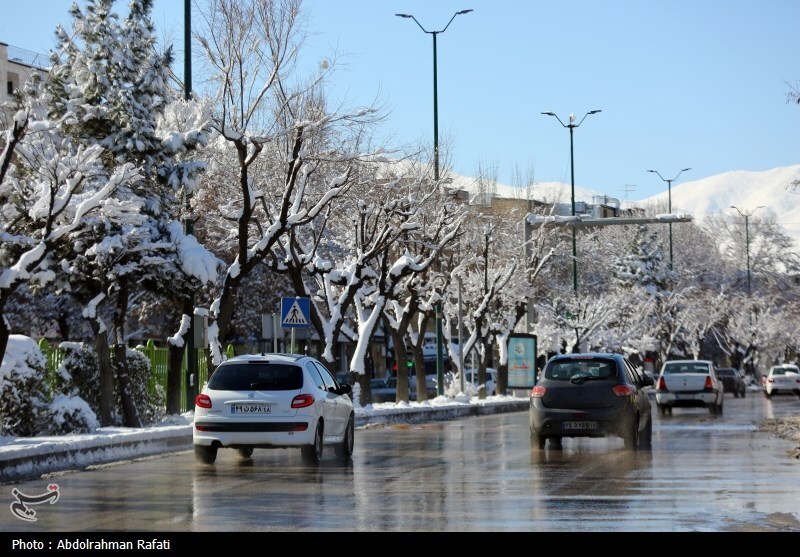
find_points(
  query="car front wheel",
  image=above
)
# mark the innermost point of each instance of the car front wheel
(312, 454)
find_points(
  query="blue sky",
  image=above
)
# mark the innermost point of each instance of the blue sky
(681, 83)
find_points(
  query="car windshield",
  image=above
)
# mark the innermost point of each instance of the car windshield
(564, 370)
(686, 367)
(256, 376)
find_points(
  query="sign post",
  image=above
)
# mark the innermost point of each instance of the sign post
(295, 313)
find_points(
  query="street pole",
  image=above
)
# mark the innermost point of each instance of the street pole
(435, 87)
(191, 351)
(747, 216)
(439, 352)
(669, 206)
(439, 356)
(572, 125)
(460, 340)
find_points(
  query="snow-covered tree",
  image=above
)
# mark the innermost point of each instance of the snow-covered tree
(288, 166)
(108, 75)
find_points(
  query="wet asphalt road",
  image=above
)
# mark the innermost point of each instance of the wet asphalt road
(704, 474)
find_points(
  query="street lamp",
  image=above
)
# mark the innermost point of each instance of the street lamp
(188, 305)
(746, 216)
(669, 206)
(572, 125)
(435, 92)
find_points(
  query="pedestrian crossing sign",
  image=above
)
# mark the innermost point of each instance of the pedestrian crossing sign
(295, 312)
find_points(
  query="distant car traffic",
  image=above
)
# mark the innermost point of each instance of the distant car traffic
(267, 401)
(782, 379)
(383, 390)
(689, 384)
(591, 395)
(732, 381)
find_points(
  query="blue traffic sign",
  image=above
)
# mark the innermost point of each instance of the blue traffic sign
(295, 312)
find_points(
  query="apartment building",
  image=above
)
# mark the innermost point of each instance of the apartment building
(16, 67)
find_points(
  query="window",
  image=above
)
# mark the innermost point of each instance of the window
(256, 376)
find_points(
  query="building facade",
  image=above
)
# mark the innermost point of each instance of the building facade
(16, 67)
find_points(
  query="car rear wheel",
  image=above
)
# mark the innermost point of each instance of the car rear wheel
(245, 452)
(345, 450)
(646, 438)
(205, 454)
(631, 436)
(312, 454)
(537, 441)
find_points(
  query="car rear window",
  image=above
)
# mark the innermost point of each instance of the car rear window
(565, 370)
(256, 376)
(685, 367)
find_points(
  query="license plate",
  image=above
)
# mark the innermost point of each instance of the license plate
(250, 409)
(580, 425)
(688, 397)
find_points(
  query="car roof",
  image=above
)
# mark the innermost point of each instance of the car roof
(267, 357)
(586, 356)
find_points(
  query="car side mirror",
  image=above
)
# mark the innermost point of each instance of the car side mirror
(345, 389)
(649, 381)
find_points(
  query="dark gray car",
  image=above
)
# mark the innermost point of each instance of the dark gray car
(732, 381)
(591, 395)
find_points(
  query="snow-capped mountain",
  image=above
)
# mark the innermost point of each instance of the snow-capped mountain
(745, 189)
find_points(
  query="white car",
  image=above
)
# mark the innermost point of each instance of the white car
(689, 384)
(267, 401)
(782, 379)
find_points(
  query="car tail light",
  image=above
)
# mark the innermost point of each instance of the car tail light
(302, 401)
(709, 386)
(538, 391)
(661, 385)
(203, 401)
(623, 390)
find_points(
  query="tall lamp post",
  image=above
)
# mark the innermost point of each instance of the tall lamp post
(747, 216)
(435, 91)
(191, 349)
(439, 356)
(572, 125)
(669, 205)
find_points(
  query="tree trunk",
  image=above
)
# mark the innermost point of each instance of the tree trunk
(130, 416)
(174, 377)
(5, 332)
(401, 360)
(106, 373)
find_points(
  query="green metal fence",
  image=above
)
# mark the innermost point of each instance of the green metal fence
(159, 364)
